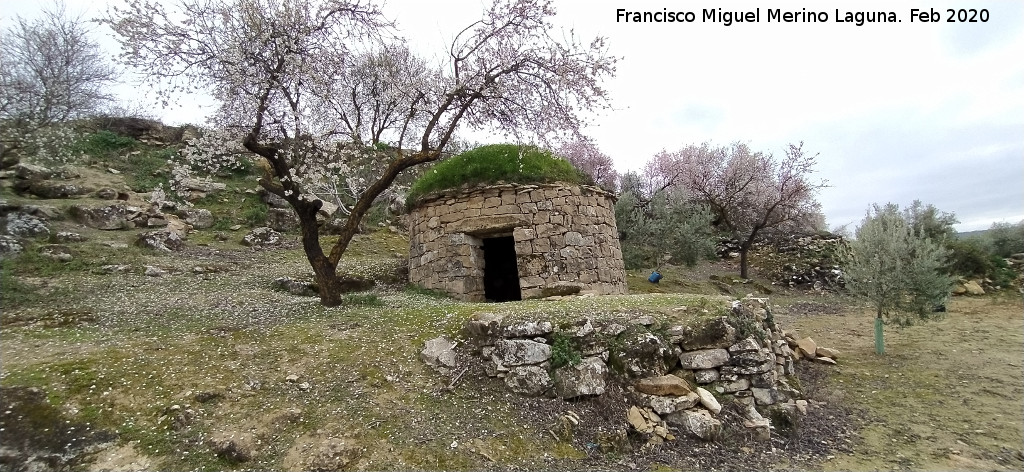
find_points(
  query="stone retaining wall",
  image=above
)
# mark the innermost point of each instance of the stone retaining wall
(565, 238)
(677, 369)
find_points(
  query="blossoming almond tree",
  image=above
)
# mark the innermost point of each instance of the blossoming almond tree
(748, 192)
(302, 84)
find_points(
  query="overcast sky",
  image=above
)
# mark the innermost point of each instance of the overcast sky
(896, 111)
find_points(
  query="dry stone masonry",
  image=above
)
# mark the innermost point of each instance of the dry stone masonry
(509, 242)
(677, 370)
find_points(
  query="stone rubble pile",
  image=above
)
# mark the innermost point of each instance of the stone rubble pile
(677, 372)
(806, 261)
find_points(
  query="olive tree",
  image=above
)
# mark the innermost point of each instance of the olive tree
(897, 269)
(288, 72)
(664, 226)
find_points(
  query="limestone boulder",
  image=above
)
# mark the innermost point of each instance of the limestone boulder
(26, 171)
(643, 355)
(106, 193)
(199, 218)
(261, 237)
(697, 422)
(532, 380)
(439, 354)
(714, 334)
(161, 240)
(663, 385)
(807, 347)
(49, 189)
(527, 329)
(110, 217)
(665, 405)
(708, 400)
(282, 219)
(296, 287)
(703, 359)
(515, 352)
(483, 325)
(973, 287)
(584, 379)
(22, 225)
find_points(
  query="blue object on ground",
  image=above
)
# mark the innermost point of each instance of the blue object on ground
(654, 278)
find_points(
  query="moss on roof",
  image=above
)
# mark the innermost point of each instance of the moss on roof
(489, 164)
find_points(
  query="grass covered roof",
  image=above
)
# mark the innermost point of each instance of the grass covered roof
(492, 163)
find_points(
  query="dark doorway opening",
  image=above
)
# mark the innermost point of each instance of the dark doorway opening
(501, 275)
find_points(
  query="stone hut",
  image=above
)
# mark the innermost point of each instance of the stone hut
(508, 242)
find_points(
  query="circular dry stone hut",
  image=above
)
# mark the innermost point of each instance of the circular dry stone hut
(506, 222)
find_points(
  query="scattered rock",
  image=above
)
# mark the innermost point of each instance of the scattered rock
(262, 236)
(827, 352)
(9, 245)
(161, 240)
(638, 420)
(807, 347)
(295, 287)
(106, 193)
(152, 271)
(199, 218)
(23, 225)
(439, 354)
(27, 171)
(666, 405)
(974, 288)
(110, 217)
(64, 237)
(56, 252)
(824, 360)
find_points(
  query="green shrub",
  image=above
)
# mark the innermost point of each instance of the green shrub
(492, 163)
(969, 258)
(563, 352)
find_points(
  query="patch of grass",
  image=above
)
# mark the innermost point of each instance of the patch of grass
(254, 212)
(493, 163)
(104, 144)
(362, 299)
(13, 292)
(427, 292)
(147, 170)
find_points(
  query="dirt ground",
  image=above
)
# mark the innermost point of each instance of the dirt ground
(946, 395)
